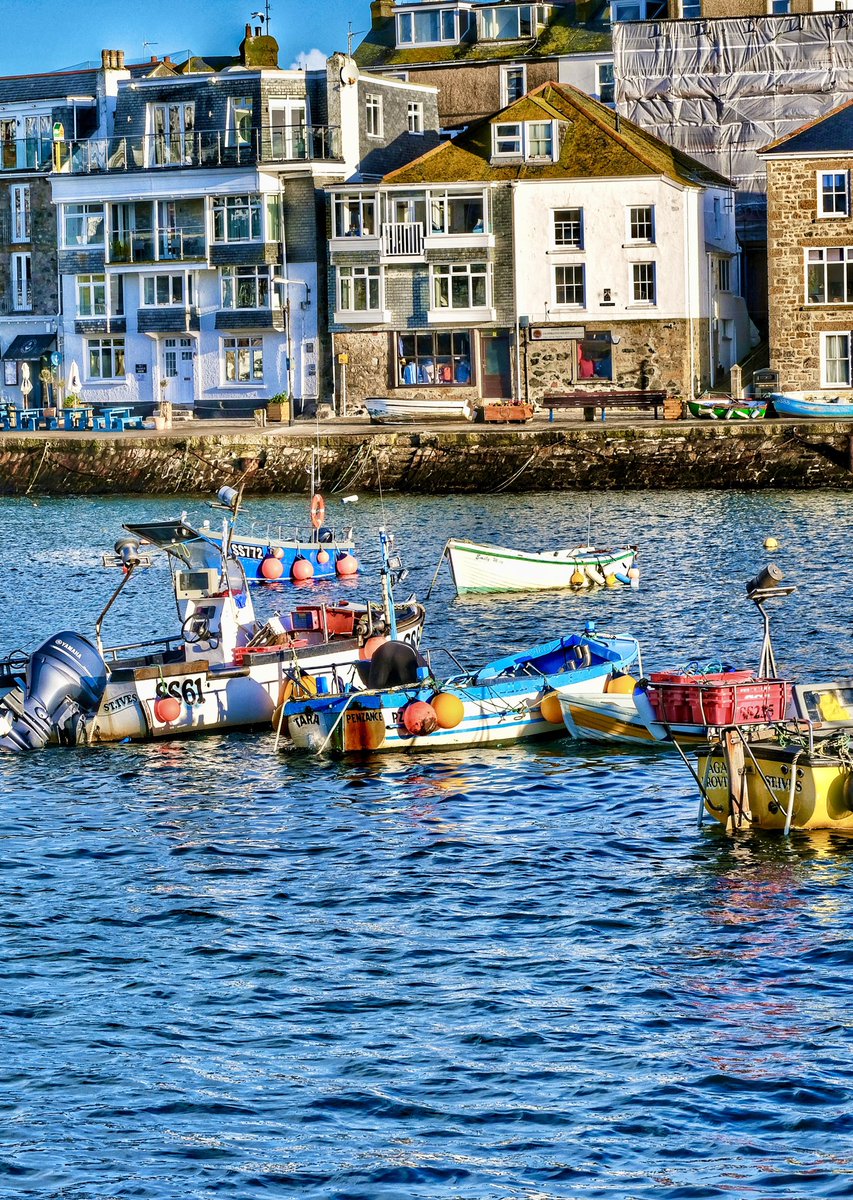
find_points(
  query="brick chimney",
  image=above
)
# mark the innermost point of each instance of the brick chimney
(259, 50)
(382, 31)
(112, 60)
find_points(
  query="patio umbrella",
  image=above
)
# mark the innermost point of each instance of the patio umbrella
(73, 377)
(26, 382)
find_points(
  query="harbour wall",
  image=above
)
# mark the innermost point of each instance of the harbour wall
(558, 457)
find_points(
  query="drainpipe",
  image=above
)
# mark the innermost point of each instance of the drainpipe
(712, 366)
(512, 188)
(688, 248)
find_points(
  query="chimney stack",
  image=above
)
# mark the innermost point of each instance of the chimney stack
(112, 60)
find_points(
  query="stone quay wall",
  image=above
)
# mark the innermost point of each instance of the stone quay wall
(576, 456)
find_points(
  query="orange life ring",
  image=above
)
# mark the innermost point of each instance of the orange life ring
(318, 510)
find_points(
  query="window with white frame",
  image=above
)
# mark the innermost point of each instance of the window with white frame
(513, 83)
(237, 218)
(19, 197)
(508, 22)
(523, 139)
(430, 27)
(246, 287)
(415, 116)
(243, 359)
(22, 282)
(92, 293)
(691, 10)
(833, 194)
(643, 283)
(105, 358)
(83, 225)
(172, 128)
(829, 275)
(456, 212)
(570, 285)
(167, 290)
(605, 82)
(373, 115)
(637, 10)
(641, 223)
(460, 285)
(238, 130)
(724, 274)
(835, 359)
(355, 215)
(359, 289)
(568, 228)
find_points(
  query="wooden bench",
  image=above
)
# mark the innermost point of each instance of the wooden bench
(603, 400)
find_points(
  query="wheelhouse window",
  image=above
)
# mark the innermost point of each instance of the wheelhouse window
(243, 359)
(358, 289)
(439, 358)
(570, 285)
(430, 27)
(246, 287)
(22, 282)
(643, 290)
(167, 291)
(83, 225)
(239, 124)
(19, 196)
(237, 218)
(835, 359)
(568, 228)
(513, 83)
(455, 213)
(105, 358)
(833, 194)
(460, 285)
(373, 115)
(355, 215)
(172, 127)
(641, 224)
(92, 292)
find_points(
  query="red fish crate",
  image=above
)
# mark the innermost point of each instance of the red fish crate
(732, 698)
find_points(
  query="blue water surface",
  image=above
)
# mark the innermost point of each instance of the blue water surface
(513, 974)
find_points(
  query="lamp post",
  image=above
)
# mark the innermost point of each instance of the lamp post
(284, 284)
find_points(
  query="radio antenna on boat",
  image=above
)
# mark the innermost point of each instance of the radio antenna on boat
(589, 526)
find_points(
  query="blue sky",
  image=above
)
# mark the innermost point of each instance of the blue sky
(51, 34)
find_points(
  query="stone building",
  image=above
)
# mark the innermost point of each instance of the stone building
(482, 57)
(550, 246)
(192, 248)
(810, 256)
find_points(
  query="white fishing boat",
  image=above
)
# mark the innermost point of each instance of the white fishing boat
(478, 567)
(414, 408)
(223, 670)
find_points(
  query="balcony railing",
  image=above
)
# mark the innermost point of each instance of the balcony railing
(212, 148)
(170, 244)
(403, 239)
(26, 154)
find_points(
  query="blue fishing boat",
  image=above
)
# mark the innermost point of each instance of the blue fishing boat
(801, 404)
(403, 706)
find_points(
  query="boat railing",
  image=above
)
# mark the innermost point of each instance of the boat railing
(452, 655)
(112, 653)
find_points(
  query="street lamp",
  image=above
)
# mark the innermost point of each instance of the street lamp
(306, 303)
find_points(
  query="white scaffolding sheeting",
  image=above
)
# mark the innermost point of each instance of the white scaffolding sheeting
(722, 89)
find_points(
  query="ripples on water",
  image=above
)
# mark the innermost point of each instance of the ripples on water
(511, 974)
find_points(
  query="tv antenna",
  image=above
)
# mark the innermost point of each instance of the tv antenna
(264, 17)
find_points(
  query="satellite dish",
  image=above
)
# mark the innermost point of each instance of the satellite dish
(349, 71)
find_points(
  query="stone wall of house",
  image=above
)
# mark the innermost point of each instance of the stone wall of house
(41, 246)
(372, 366)
(471, 91)
(568, 455)
(793, 225)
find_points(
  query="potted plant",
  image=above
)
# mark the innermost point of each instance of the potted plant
(510, 410)
(46, 379)
(72, 400)
(279, 408)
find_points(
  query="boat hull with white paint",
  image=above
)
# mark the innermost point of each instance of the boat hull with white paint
(485, 568)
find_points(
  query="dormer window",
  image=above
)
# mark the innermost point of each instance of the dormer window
(428, 27)
(508, 22)
(531, 140)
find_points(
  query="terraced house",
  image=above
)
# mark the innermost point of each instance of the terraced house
(189, 240)
(549, 246)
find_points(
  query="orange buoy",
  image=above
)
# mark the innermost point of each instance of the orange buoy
(301, 569)
(620, 685)
(272, 568)
(167, 709)
(277, 552)
(449, 709)
(370, 647)
(419, 718)
(322, 557)
(549, 707)
(346, 564)
(318, 510)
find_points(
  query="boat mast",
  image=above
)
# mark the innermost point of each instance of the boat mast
(387, 585)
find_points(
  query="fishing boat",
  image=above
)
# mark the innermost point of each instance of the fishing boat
(806, 404)
(478, 567)
(726, 409)
(415, 408)
(801, 777)
(510, 699)
(223, 670)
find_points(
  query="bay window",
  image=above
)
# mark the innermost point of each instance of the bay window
(83, 225)
(237, 218)
(355, 215)
(246, 287)
(460, 285)
(429, 27)
(167, 291)
(358, 289)
(92, 291)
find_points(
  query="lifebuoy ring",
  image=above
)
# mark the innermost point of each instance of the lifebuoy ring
(318, 510)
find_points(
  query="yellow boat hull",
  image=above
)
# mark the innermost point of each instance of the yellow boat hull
(822, 790)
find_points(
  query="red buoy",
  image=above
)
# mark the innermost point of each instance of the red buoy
(323, 556)
(167, 709)
(272, 568)
(301, 570)
(346, 564)
(370, 647)
(420, 718)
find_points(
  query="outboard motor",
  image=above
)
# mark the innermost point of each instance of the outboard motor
(66, 680)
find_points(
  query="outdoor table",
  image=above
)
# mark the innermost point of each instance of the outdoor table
(112, 418)
(28, 418)
(79, 417)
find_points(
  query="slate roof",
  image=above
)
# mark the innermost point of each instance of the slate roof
(830, 134)
(54, 85)
(595, 143)
(563, 36)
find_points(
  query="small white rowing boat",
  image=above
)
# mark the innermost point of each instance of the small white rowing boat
(485, 568)
(414, 408)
